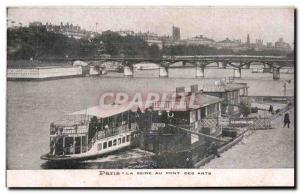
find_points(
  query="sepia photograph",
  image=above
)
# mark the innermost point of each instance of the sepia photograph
(126, 93)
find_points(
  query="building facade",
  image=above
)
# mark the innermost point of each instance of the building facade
(151, 39)
(281, 45)
(227, 43)
(125, 33)
(176, 33)
(199, 40)
(40, 73)
(231, 93)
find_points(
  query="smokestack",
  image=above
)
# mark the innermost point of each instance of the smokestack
(194, 88)
(180, 90)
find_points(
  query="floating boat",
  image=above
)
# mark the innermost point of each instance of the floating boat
(147, 66)
(255, 70)
(258, 70)
(91, 133)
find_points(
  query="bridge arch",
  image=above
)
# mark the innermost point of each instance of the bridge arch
(166, 62)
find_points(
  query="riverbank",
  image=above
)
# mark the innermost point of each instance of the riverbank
(272, 148)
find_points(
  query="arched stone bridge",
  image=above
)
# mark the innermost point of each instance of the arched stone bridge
(274, 63)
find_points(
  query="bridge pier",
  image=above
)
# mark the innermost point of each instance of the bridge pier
(276, 73)
(267, 68)
(199, 72)
(247, 66)
(222, 64)
(163, 72)
(267, 65)
(237, 73)
(128, 71)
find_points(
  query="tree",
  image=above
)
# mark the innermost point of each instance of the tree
(154, 51)
(245, 109)
(38, 43)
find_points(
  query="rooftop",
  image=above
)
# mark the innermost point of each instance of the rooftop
(186, 101)
(99, 112)
(201, 37)
(224, 87)
(207, 100)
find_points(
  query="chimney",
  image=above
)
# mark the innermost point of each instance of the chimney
(180, 89)
(194, 88)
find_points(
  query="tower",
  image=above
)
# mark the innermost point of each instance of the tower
(176, 33)
(248, 40)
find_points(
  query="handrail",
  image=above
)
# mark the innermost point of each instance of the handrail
(199, 134)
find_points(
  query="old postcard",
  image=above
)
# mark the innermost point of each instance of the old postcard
(150, 96)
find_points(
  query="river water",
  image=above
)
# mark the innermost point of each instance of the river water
(33, 105)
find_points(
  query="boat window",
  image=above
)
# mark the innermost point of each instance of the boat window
(119, 120)
(77, 145)
(115, 142)
(69, 145)
(203, 113)
(84, 140)
(123, 140)
(109, 143)
(127, 138)
(133, 117)
(105, 123)
(198, 114)
(104, 145)
(100, 124)
(52, 145)
(119, 141)
(99, 146)
(212, 108)
(59, 147)
(112, 121)
(125, 118)
(53, 129)
(193, 116)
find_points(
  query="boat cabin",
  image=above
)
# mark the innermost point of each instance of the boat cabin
(194, 109)
(232, 94)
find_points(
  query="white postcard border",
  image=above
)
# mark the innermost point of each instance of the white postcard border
(158, 178)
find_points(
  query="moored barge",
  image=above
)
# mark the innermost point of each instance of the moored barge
(91, 133)
(181, 130)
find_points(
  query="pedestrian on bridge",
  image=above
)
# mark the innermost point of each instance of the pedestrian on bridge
(286, 120)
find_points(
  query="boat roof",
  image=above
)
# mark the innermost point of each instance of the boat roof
(224, 87)
(101, 112)
(198, 101)
(206, 100)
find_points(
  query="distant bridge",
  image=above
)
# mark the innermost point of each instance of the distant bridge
(274, 63)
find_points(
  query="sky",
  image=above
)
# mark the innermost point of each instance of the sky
(265, 23)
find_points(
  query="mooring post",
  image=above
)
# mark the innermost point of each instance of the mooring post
(276, 73)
